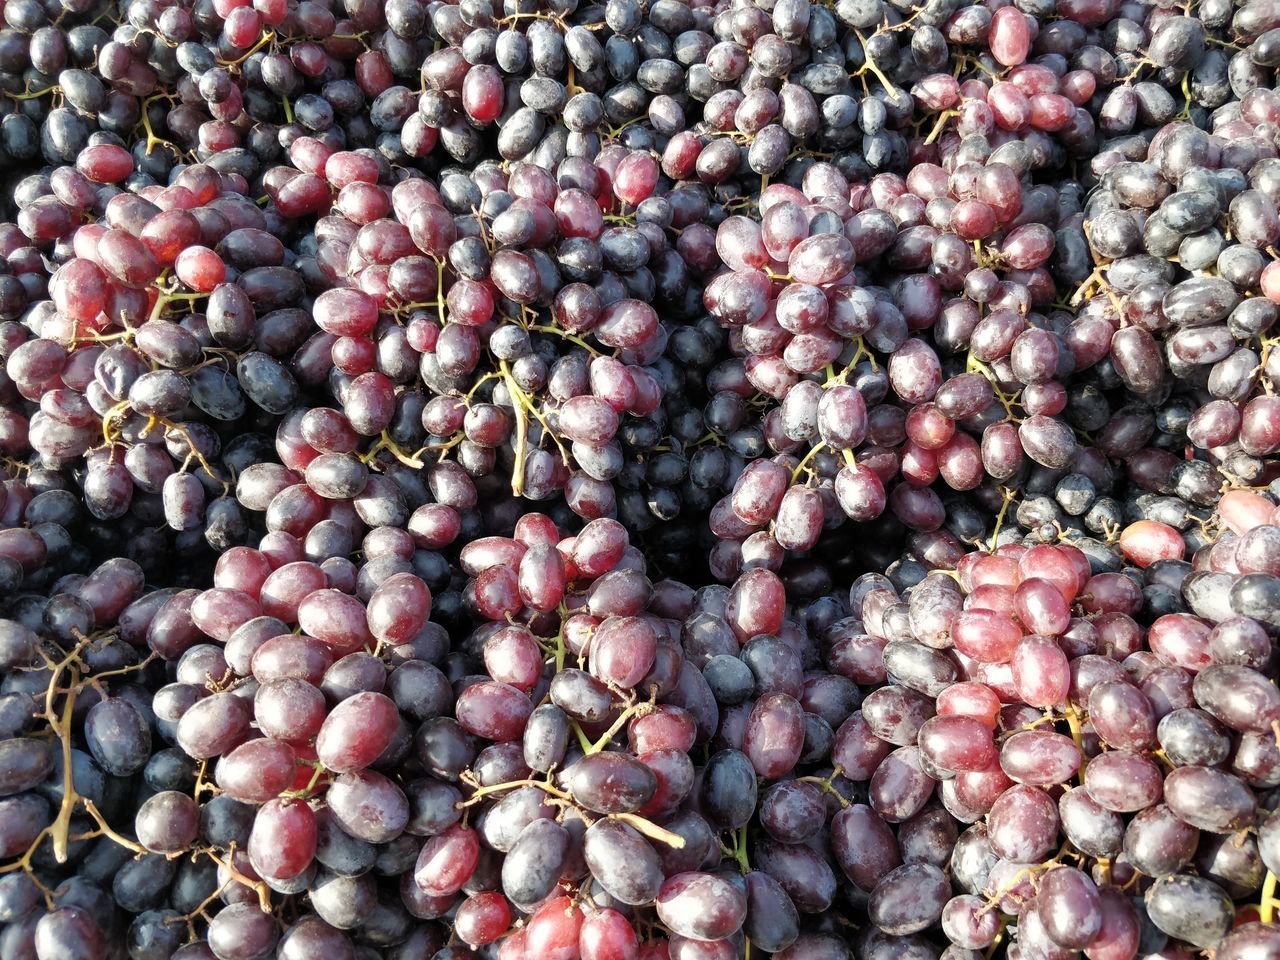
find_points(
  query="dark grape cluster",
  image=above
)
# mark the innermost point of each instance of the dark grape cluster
(639, 480)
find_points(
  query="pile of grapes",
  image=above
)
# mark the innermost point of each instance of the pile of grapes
(639, 479)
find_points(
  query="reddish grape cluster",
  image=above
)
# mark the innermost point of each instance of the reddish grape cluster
(894, 384)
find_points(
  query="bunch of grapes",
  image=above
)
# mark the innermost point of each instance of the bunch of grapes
(894, 386)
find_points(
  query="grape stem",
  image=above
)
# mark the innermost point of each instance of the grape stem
(263, 891)
(612, 133)
(583, 740)
(152, 140)
(182, 431)
(202, 786)
(1268, 903)
(60, 725)
(23, 863)
(516, 17)
(524, 407)
(440, 287)
(34, 94)
(646, 827)
(59, 721)
(994, 900)
(651, 830)
(522, 429)
(1008, 401)
(635, 710)
(15, 468)
(1073, 724)
(199, 912)
(104, 830)
(813, 452)
(870, 64)
(112, 413)
(120, 671)
(1008, 495)
(827, 785)
(556, 331)
(835, 379)
(1047, 718)
(384, 442)
(480, 383)
(167, 297)
(939, 124)
(559, 640)
(480, 792)
(266, 38)
(738, 851)
(102, 337)
(317, 772)
(995, 944)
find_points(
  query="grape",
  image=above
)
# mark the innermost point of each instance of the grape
(1022, 825)
(1122, 715)
(447, 861)
(241, 930)
(493, 710)
(311, 936)
(283, 840)
(167, 822)
(623, 862)
(257, 771)
(356, 732)
(289, 709)
(774, 736)
(728, 790)
(908, 899)
(1119, 930)
(1068, 907)
(1158, 843)
(484, 917)
(1237, 696)
(368, 806)
(611, 783)
(806, 878)
(771, 918)
(1040, 757)
(1209, 799)
(68, 932)
(1122, 781)
(957, 743)
(535, 861)
(214, 725)
(1189, 908)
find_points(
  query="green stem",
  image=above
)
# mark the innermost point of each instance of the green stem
(813, 452)
(1008, 496)
(1267, 905)
(740, 850)
(583, 740)
(522, 429)
(607, 737)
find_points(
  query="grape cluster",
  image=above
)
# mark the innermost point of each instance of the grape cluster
(1142, 725)
(645, 480)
